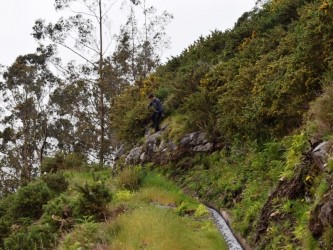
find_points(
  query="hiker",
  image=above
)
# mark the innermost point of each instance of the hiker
(156, 104)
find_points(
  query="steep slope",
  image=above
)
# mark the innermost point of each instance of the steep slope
(262, 92)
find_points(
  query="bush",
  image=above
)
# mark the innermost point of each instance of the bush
(129, 116)
(61, 207)
(52, 164)
(62, 162)
(74, 161)
(93, 199)
(56, 182)
(320, 115)
(90, 235)
(201, 211)
(201, 109)
(4, 229)
(178, 126)
(29, 200)
(34, 237)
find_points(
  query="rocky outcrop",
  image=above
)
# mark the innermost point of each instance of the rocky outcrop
(314, 161)
(322, 215)
(159, 150)
(286, 189)
(321, 154)
(197, 142)
(134, 156)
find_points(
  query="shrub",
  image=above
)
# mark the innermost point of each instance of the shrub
(201, 211)
(61, 207)
(29, 200)
(178, 125)
(123, 195)
(4, 229)
(90, 235)
(52, 164)
(201, 109)
(93, 199)
(320, 115)
(34, 237)
(61, 162)
(56, 182)
(74, 161)
(129, 116)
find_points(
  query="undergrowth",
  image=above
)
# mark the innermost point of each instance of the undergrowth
(136, 209)
(240, 180)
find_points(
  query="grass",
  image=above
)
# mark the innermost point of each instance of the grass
(178, 125)
(157, 215)
(155, 228)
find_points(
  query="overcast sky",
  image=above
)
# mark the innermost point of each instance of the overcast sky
(192, 18)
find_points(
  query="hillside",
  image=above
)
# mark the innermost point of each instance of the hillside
(247, 129)
(262, 92)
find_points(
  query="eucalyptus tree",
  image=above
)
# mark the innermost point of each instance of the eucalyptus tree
(27, 85)
(85, 34)
(140, 44)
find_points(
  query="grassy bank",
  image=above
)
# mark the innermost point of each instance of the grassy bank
(134, 210)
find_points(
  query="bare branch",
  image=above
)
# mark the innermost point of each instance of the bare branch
(107, 47)
(77, 53)
(91, 10)
(81, 12)
(83, 44)
(109, 8)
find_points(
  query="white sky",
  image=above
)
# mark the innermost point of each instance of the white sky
(192, 18)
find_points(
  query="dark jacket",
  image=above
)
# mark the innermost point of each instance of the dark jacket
(157, 105)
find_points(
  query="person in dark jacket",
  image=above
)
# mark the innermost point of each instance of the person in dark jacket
(156, 104)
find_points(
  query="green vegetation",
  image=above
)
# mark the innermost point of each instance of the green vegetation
(263, 92)
(136, 209)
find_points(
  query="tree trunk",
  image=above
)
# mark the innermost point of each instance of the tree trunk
(101, 87)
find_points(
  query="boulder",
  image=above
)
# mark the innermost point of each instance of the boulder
(194, 139)
(321, 154)
(197, 142)
(133, 157)
(151, 146)
(119, 152)
(322, 215)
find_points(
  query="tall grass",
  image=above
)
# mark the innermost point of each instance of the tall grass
(156, 228)
(154, 215)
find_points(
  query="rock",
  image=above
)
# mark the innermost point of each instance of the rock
(321, 153)
(134, 156)
(197, 142)
(322, 215)
(151, 146)
(203, 148)
(326, 210)
(274, 214)
(194, 139)
(160, 151)
(119, 152)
